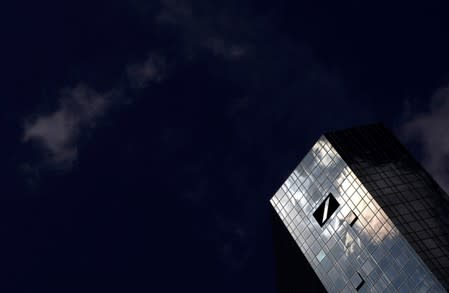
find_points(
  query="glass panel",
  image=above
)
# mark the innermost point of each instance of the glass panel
(337, 250)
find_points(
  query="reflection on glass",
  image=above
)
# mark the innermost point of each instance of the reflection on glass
(372, 245)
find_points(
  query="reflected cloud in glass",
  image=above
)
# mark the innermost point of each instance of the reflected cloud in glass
(369, 246)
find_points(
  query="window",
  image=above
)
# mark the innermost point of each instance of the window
(351, 218)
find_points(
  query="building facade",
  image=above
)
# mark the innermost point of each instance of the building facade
(366, 215)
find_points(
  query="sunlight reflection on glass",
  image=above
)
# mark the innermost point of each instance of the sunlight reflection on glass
(358, 234)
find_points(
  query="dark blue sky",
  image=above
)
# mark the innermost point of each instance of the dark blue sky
(143, 139)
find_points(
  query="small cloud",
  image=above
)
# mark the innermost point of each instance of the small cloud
(233, 246)
(58, 132)
(430, 130)
(31, 176)
(175, 12)
(151, 70)
(214, 31)
(220, 47)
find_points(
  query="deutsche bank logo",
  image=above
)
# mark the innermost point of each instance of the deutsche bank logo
(326, 209)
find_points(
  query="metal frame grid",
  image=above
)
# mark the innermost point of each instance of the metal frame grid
(406, 192)
(359, 246)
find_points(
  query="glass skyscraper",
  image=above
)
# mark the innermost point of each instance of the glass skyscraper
(366, 216)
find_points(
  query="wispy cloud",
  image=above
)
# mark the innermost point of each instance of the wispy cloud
(79, 109)
(208, 32)
(232, 243)
(431, 130)
(175, 12)
(220, 47)
(58, 132)
(153, 69)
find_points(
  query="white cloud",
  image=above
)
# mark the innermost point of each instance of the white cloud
(217, 31)
(58, 132)
(151, 70)
(78, 111)
(431, 130)
(220, 47)
(175, 12)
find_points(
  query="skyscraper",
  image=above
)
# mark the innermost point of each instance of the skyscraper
(366, 216)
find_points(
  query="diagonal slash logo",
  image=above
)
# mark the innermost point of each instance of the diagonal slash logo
(326, 209)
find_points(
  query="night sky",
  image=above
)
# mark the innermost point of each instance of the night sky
(142, 140)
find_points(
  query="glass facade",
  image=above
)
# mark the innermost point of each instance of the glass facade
(344, 232)
(405, 191)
